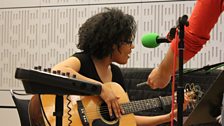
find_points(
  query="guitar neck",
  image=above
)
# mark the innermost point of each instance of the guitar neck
(146, 104)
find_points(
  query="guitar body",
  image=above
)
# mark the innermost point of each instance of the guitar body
(94, 110)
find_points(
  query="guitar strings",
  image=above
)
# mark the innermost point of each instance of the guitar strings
(97, 111)
(104, 110)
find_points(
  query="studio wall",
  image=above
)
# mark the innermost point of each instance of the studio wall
(44, 32)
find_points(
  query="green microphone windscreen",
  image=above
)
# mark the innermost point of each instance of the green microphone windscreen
(150, 40)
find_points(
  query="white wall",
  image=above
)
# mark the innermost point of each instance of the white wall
(44, 32)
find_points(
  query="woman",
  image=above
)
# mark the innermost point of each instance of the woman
(104, 39)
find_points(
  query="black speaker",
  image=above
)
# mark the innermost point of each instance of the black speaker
(209, 107)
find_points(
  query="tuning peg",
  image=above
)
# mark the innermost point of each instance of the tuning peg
(45, 69)
(58, 72)
(49, 70)
(39, 67)
(67, 74)
(54, 72)
(35, 67)
(63, 74)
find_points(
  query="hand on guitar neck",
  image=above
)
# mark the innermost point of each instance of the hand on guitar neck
(192, 95)
(187, 99)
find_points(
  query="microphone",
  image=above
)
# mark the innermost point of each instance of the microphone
(142, 84)
(152, 40)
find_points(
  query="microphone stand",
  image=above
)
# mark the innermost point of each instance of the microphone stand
(180, 88)
(59, 109)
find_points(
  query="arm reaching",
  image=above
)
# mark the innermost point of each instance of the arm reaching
(204, 16)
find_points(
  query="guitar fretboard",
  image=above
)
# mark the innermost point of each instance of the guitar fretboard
(146, 104)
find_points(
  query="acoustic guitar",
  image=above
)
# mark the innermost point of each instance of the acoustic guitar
(92, 110)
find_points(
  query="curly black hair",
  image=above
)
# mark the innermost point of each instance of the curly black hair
(101, 31)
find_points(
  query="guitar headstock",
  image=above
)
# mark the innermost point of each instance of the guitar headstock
(194, 94)
(46, 81)
(58, 73)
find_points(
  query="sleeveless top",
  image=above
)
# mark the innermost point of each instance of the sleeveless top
(88, 69)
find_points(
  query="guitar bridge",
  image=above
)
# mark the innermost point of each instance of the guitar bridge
(82, 115)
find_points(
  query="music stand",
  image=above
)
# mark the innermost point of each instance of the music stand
(43, 82)
(209, 106)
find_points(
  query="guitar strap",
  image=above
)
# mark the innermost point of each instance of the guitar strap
(82, 112)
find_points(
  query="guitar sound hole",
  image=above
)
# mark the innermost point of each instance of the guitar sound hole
(105, 113)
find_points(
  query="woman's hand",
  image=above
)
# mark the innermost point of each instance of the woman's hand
(185, 104)
(111, 100)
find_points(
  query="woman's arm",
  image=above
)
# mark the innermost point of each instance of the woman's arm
(73, 65)
(152, 120)
(160, 119)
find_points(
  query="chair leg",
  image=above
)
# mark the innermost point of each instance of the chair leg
(222, 113)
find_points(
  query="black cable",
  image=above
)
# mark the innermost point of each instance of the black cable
(7, 106)
(10, 89)
(69, 110)
(206, 68)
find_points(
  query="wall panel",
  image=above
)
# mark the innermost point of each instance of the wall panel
(44, 32)
(19, 43)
